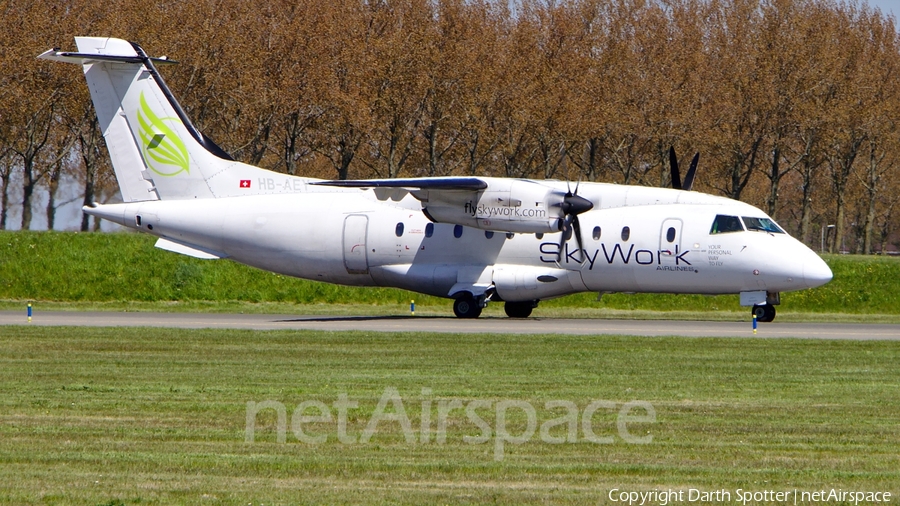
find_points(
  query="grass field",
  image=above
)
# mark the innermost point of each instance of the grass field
(123, 271)
(158, 416)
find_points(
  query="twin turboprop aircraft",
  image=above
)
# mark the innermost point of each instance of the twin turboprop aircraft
(471, 239)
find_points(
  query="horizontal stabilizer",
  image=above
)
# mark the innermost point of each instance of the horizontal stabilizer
(423, 183)
(191, 251)
(88, 58)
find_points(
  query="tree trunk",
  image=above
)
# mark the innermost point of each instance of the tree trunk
(886, 228)
(472, 150)
(806, 207)
(592, 152)
(872, 194)
(393, 166)
(869, 230)
(52, 186)
(838, 225)
(4, 200)
(28, 184)
(739, 178)
(431, 136)
(775, 178)
(807, 170)
(347, 153)
(841, 169)
(88, 200)
(289, 143)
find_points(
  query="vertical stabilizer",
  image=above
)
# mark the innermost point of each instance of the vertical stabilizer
(155, 150)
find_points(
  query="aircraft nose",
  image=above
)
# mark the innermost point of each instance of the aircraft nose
(815, 271)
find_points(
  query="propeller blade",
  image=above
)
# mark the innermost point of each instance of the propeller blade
(577, 226)
(689, 177)
(673, 165)
(565, 226)
(572, 205)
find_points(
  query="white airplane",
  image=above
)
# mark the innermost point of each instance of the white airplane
(471, 239)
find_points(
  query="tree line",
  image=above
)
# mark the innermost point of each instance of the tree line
(793, 104)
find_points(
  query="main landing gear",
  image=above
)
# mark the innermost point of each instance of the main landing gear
(521, 309)
(466, 307)
(764, 313)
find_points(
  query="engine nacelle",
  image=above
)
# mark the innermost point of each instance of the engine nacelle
(523, 282)
(506, 205)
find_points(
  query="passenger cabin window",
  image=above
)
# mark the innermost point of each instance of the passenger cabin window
(725, 224)
(762, 225)
(596, 234)
(457, 231)
(429, 230)
(626, 233)
(399, 229)
(670, 234)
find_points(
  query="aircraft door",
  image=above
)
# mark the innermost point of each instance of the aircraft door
(355, 257)
(670, 237)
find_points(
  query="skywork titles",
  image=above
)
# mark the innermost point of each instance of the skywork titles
(483, 211)
(618, 254)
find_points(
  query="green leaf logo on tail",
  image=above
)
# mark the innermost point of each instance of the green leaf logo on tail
(163, 150)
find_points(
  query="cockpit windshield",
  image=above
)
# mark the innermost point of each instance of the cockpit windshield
(724, 224)
(762, 225)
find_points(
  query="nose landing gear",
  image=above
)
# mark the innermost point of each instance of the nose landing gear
(764, 313)
(762, 304)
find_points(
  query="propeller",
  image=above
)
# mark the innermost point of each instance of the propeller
(688, 182)
(572, 205)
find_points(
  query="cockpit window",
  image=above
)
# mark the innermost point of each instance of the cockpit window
(762, 225)
(724, 224)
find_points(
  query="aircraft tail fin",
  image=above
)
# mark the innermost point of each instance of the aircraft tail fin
(156, 151)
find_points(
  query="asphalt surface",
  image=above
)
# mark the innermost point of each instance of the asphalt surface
(853, 331)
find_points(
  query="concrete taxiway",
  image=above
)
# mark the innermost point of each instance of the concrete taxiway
(496, 325)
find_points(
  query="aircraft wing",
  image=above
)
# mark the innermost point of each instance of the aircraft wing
(488, 203)
(416, 183)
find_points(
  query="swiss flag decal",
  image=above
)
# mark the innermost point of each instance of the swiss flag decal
(245, 183)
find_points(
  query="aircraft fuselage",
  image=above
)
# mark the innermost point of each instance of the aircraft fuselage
(353, 237)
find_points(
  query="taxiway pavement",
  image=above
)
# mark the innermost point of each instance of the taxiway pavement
(488, 325)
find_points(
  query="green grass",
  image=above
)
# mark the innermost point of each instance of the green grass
(126, 267)
(123, 271)
(157, 416)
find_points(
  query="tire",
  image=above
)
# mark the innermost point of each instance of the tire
(764, 313)
(466, 307)
(770, 313)
(519, 309)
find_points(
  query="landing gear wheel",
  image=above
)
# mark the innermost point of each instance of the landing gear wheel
(466, 307)
(519, 309)
(764, 313)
